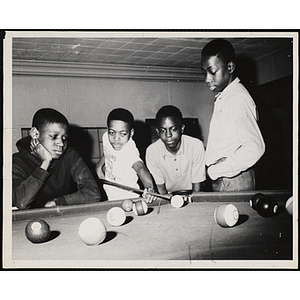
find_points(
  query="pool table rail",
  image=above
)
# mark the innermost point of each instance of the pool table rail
(79, 209)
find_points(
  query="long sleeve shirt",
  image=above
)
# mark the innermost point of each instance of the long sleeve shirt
(235, 142)
(68, 180)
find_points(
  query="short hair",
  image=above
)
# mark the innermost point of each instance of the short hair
(167, 112)
(121, 114)
(220, 48)
(47, 116)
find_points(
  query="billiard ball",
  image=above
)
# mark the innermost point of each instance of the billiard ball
(267, 206)
(37, 231)
(116, 216)
(127, 205)
(226, 215)
(289, 205)
(254, 199)
(92, 231)
(177, 201)
(140, 207)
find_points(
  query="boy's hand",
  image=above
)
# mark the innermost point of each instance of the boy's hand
(149, 198)
(41, 152)
(50, 203)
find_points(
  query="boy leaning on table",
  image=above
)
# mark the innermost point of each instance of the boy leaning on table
(121, 162)
(45, 171)
(175, 160)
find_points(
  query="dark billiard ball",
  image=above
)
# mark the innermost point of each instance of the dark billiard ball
(37, 231)
(140, 208)
(289, 205)
(267, 206)
(254, 199)
(127, 205)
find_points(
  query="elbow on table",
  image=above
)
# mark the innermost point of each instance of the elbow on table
(20, 205)
(93, 196)
(95, 199)
(20, 200)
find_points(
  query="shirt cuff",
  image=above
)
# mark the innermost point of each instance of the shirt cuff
(60, 201)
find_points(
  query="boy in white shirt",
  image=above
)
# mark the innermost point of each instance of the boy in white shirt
(121, 162)
(235, 143)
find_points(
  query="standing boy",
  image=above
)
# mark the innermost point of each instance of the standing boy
(121, 162)
(45, 171)
(235, 143)
(176, 161)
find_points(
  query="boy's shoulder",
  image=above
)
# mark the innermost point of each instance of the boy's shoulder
(23, 146)
(237, 88)
(240, 98)
(70, 157)
(190, 140)
(156, 145)
(191, 144)
(72, 152)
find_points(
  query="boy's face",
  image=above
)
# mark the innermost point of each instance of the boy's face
(218, 75)
(170, 131)
(54, 137)
(119, 134)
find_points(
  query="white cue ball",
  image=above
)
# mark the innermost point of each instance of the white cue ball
(92, 231)
(289, 205)
(177, 201)
(226, 215)
(116, 216)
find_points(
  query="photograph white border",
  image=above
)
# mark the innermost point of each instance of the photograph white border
(85, 264)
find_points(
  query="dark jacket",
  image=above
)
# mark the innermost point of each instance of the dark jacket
(68, 180)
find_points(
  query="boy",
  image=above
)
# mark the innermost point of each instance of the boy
(121, 162)
(176, 161)
(235, 143)
(46, 172)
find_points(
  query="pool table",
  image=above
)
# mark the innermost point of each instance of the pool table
(165, 237)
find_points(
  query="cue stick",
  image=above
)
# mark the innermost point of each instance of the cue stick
(131, 189)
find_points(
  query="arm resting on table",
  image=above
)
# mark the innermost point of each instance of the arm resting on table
(88, 190)
(26, 188)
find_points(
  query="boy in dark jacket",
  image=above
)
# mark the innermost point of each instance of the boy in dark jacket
(46, 172)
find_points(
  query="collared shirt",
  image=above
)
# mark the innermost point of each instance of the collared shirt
(235, 142)
(178, 171)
